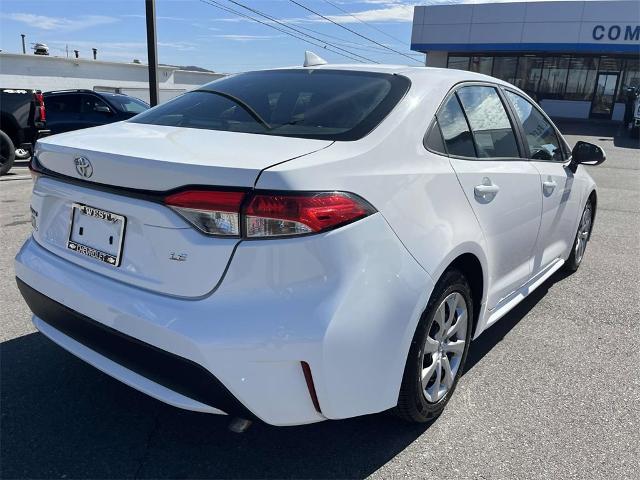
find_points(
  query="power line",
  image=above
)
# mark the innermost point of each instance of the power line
(273, 19)
(362, 21)
(353, 31)
(351, 43)
(215, 4)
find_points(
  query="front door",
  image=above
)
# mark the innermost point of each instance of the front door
(560, 201)
(604, 95)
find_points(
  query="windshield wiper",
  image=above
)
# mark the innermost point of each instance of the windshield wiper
(245, 106)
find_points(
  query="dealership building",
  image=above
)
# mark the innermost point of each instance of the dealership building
(576, 58)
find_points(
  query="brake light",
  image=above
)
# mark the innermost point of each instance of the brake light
(212, 212)
(267, 214)
(42, 114)
(280, 215)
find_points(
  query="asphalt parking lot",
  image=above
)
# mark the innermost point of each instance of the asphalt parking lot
(552, 391)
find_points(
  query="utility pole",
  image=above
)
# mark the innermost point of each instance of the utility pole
(24, 48)
(152, 51)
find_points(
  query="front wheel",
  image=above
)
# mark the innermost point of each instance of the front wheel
(438, 350)
(582, 238)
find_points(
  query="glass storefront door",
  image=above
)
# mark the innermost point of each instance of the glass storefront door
(604, 95)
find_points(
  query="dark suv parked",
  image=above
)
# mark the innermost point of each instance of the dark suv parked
(74, 109)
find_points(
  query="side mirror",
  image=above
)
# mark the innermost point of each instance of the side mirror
(587, 154)
(102, 109)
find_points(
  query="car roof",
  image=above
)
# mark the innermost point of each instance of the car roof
(418, 74)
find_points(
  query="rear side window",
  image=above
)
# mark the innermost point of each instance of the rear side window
(433, 139)
(62, 104)
(489, 122)
(455, 130)
(540, 134)
(323, 104)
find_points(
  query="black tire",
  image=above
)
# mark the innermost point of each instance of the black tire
(7, 153)
(575, 259)
(413, 405)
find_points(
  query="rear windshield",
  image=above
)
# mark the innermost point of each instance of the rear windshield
(322, 104)
(125, 103)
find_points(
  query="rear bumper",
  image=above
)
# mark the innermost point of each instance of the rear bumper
(345, 302)
(160, 367)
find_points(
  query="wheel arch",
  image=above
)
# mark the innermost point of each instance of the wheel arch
(470, 260)
(593, 197)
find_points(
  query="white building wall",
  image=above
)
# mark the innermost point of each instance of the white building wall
(57, 73)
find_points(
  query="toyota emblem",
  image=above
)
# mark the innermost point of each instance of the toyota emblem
(83, 167)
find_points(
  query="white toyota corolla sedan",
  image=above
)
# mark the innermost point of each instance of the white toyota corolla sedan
(303, 244)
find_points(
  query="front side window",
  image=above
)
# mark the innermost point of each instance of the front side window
(127, 104)
(489, 122)
(455, 130)
(540, 134)
(322, 104)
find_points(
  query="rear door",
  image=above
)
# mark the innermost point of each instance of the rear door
(560, 200)
(63, 112)
(501, 187)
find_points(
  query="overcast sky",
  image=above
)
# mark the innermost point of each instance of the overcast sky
(194, 32)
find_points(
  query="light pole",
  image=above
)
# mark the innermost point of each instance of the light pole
(152, 51)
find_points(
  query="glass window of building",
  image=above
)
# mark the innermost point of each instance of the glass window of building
(481, 65)
(581, 80)
(504, 68)
(541, 136)
(455, 130)
(489, 122)
(528, 74)
(553, 78)
(631, 77)
(459, 63)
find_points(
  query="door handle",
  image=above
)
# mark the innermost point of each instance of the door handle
(548, 187)
(486, 191)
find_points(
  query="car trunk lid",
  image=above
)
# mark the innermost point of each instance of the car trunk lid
(118, 211)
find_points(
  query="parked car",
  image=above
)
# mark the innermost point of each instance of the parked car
(75, 109)
(22, 122)
(303, 244)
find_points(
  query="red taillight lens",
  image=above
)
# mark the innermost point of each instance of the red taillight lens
(283, 215)
(214, 213)
(42, 114)
(267, 215)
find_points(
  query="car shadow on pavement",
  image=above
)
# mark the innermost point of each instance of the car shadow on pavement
(61, 418)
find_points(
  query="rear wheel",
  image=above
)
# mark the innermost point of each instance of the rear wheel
(438, 350)
(582, 238)
(7, 153)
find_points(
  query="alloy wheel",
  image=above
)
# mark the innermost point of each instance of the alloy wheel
(444, 347)
(583, 233)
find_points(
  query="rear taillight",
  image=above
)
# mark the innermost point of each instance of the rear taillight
(283, 215)
(214, 213)
(42, 114)
(264, 215)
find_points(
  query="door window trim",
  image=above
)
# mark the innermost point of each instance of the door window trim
(562, 144)
(513, 120)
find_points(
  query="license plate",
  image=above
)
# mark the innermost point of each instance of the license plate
(96, 233)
